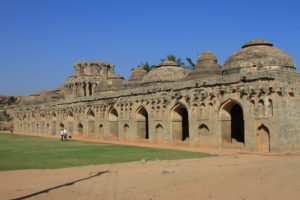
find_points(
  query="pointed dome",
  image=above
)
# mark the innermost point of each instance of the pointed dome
(166, 71)
(206, 67)
(258, 55)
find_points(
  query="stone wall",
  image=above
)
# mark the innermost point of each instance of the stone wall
(251, 111)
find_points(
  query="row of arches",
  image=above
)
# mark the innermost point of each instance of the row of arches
(232, 126)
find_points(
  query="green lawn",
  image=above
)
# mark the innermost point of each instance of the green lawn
(27, 152)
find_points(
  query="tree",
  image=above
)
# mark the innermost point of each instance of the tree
(191, 64)
(171, 57)
(146, 66)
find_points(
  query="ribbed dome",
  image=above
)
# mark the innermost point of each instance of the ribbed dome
(137, 74)
(164, 72)
(258, 55)
(206, 67)
(207, 56)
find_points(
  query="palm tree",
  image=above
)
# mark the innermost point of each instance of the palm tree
(191, 64)
(171, 57)
(146, 66)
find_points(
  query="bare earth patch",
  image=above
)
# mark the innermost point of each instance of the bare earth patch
(222, 177)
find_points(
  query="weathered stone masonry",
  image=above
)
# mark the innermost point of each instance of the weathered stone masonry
(252, 103)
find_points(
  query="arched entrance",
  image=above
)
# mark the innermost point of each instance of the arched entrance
(180, 123)
(70, 119)
(142, 123)
(232, 123)
(262, 139)
(61, 126)
(203, 135)
(91, 123)
(158, 133)
(80, 129)
(53, 123)
(113, 123)
(101, 131)
(126, 132)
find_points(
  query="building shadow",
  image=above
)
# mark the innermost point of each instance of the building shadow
(63, 185)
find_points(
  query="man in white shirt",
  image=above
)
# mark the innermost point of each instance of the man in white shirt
(62, 135)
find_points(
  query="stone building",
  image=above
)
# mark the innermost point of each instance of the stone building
(251, 103)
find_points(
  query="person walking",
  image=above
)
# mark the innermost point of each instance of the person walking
(65, 134)
(62, 135)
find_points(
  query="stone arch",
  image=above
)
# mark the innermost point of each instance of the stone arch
(61, 126)
(42, 116)
(80, 129)
(180, 123)
(91, 115)
(53, 115)
(113, 118)
(203, 130)
(47, 128)
(142, 123)
(21, 127)
(24, 117)
(158, 133)
(70, 119)
(91, 123)
(37, 128)
(32, 115)
(203, 135)
(261, 108)
(101, 131)
(126, 132)
(262, 139)
(28, 128)
(232, 123)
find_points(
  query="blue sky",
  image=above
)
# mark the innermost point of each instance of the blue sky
(41, 40)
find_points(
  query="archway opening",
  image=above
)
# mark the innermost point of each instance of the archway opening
(142, 123)
(262, 139)
(70, 119)
(232, 124)
(237, 123)
(125, 132)
(101, 131)
(80, 129)
(180, 123)
(61, 126)
(203, 135)
(203, 129)
(158, 133)
(113, 123)
(91, 123)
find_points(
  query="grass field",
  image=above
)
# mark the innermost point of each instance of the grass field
(27, 152)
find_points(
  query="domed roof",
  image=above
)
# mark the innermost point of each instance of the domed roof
(258, 55)
(207, 56)
(137, 74)
(164, 72)
(206, 67)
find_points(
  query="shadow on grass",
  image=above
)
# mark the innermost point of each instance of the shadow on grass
(59, 186)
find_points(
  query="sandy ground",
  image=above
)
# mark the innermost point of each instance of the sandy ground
(228, 176)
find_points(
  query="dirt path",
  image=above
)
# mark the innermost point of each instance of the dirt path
(222, 177)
